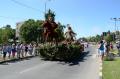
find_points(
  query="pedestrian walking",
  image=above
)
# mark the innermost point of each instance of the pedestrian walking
(101, 50)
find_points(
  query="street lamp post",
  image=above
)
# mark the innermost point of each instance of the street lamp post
(116, 19)
(116, 27)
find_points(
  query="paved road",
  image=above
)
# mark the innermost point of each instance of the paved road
(35, 68)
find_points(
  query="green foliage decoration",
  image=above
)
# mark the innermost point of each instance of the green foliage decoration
(60, 52)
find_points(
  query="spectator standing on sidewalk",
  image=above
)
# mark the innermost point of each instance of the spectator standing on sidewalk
(34, 49)
(30, 49)
(18, 49)
(9, 48)
(4, 49)
(22, 49)
(26, 50)
(13, 50)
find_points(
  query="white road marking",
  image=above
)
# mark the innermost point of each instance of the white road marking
(35, 67)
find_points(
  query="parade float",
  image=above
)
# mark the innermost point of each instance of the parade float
(55, 48)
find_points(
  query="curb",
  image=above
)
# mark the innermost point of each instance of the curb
(16, 59)
(100, 71)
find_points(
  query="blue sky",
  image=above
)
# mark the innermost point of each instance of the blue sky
(86, 17)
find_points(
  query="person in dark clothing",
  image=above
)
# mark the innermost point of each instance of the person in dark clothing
(101, 49)
(4, 49)
(26, 50)
(107, 48)
(13, 50)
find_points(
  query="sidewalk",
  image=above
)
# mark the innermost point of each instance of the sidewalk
(13, 59)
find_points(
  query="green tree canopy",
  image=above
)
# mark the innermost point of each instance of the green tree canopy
(109, 38)
(6, 33)
(29, 30)
(60, 30)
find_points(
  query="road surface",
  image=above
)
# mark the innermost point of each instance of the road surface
(35, 68)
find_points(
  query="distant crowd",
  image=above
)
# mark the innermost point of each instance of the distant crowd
(104, 49)
(18, 50)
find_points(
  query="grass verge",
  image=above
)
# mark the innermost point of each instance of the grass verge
(111, 69)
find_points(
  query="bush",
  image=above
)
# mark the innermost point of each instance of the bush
(60, 52)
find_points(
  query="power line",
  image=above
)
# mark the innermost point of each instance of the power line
(21, 4)
(16, 18)
(7, 17)
(24, 5)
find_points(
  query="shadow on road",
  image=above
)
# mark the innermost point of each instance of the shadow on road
(4, 63)
(72, 62)
(80, 59)
(14, 61)
(19, 60)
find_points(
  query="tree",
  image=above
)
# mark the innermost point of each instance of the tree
(109, 38)
(91, 39)
(1, 35)
(6, 33)
(98, 38)
(29, 30)
(60, 31)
